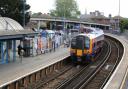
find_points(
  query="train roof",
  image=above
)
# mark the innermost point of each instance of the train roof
(94, 33)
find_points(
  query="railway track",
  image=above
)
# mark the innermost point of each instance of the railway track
(101, 76)
(84, 73)
(48, 78)
(96, 75)
(66, 74)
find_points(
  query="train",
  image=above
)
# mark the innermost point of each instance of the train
(86, 45)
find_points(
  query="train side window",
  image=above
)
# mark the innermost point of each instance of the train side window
(87, 43)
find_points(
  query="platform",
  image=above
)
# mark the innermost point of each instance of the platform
(16, 70)
(117, 78)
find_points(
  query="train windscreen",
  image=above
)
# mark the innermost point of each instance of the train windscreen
(73, 43)
(80, 42)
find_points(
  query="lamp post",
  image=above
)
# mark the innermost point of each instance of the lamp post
(119, 17)
(64, 16)
(23, 2)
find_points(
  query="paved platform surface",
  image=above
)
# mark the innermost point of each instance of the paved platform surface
(117, 77)
(15, 70)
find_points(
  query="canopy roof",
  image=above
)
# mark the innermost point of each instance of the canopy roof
(9, 24)
(10, 28)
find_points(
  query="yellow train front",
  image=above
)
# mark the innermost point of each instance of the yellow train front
(84, 47)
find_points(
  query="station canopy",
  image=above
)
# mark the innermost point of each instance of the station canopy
(9, 27)
(9, 24)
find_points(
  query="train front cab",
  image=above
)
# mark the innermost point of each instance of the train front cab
(81, 49)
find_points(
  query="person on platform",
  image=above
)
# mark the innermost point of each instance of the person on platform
(19, 49)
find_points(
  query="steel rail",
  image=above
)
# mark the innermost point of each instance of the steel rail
(82, 83)
(41, 83)
(66, 82)
(117, 59)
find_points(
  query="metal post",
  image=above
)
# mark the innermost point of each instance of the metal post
(7, 60)
(64, 11)
(64, 17)
(55, 25)
(24, 1)
(51, 27)
(119, 17)
(14, 50)
(38, 25)
(2, 52)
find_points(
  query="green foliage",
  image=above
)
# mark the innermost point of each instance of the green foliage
(40, 15)
(14, 9)
(36, 14)
(65, 8)
(123, 24)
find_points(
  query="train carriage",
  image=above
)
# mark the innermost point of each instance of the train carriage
(86, 45)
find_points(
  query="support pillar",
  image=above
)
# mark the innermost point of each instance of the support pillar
(14, 50)
(38, 25)
(7, 52)
(2, 52)
(51, 27)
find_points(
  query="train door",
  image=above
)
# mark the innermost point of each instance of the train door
(80, 45)
(87, 51)
(87, 43)
(93, 46)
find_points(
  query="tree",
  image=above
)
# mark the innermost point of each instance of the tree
(39, 14)
(14, 9)
(123, 24)
(65, 8)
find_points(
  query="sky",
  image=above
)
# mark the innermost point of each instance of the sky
(105, 6)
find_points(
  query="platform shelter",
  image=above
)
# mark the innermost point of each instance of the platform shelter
(10, 33)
